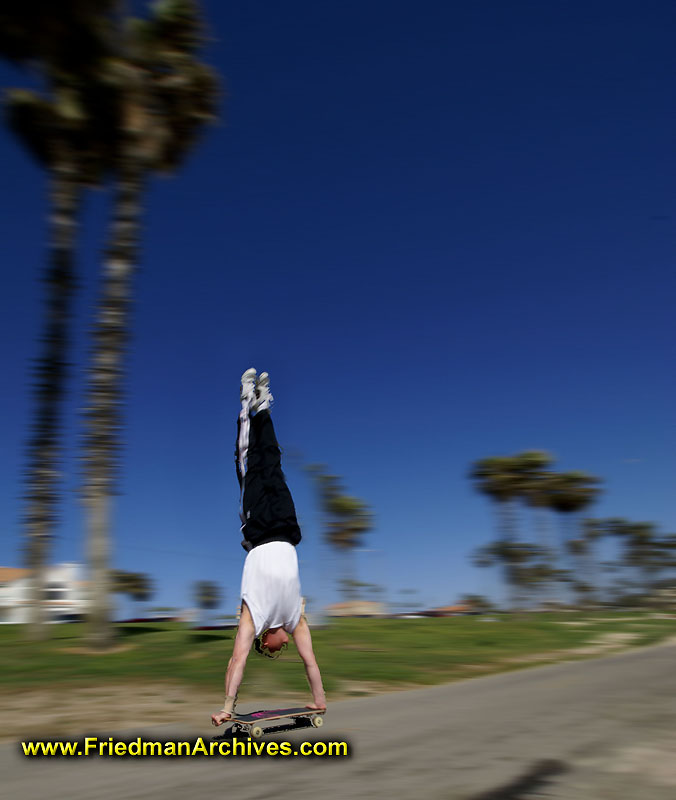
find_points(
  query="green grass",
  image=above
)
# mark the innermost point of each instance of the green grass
(355, 655)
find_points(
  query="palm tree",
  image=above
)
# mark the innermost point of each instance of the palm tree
(122, 582)
(138, 585)
(495, 477)
(531, 473)
(47, 122)
(347, 519)
(207, 595)
(142, 588)
(592, 532)
(57, 132)
(521, 563)
(498, 478)
(579, 550)
(163, 97)
(646, 553)
(570, 493)
(35, 31)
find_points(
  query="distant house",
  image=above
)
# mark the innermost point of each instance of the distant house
(357, 608)
(65, 593)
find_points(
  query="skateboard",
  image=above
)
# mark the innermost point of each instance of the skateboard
(251, 723)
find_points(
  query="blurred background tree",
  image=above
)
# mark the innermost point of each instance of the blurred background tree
(163, 96)
(646, 556)
(59, 127)
(137, 585)
(207, 595)
(570, 493)
(495, 478)
(531, 476)
(123, 99)
(526, 477)
(522, 565)
(142, 589)
(346, 520)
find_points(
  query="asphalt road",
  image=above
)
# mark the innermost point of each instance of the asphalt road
(587, 730)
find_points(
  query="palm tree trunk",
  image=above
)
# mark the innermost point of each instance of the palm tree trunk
(100, 633)
(591, 577)
(507, 533)
(50, 377)
(350, 574)
(102, 441)
(563, 557)
(545, 539)
(568, 560)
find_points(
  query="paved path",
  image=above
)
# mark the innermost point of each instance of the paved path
(587, 730)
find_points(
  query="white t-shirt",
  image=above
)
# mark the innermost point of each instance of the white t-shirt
(271, 586)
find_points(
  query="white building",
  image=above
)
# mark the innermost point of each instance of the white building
(65, 593)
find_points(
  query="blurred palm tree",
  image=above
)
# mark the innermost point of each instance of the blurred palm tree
(36, 31)
(163, 96)
(526, 476)
(137, 585)
(142, 588)
(502, 480)
(59, 130)
(579, 549)
(121, 582)
(207, 595)
(569, 493)
(522, 564)
(347, 519)
(495, 477)
(590, 589)
(531, 475)
(646, 553)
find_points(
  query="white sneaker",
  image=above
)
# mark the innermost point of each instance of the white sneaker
(248, 391)
(263, 399)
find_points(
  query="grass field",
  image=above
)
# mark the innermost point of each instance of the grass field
(356, 656)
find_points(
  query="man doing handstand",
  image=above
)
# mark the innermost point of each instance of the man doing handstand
(270, 594)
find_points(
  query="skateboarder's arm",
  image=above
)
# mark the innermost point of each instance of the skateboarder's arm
(240, 652)
(303, 641)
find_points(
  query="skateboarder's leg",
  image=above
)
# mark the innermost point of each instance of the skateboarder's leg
(303, 641)
(267, 505)
(248, 399)
(235, 671)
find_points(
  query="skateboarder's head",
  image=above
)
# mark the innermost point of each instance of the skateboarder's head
(271, 642)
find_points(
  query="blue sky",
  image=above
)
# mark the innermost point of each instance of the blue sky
(445, 229)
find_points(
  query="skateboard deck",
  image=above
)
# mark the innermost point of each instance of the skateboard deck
(252, 723)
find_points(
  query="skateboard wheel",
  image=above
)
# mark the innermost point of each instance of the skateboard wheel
(256, 731)
(317, 721)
